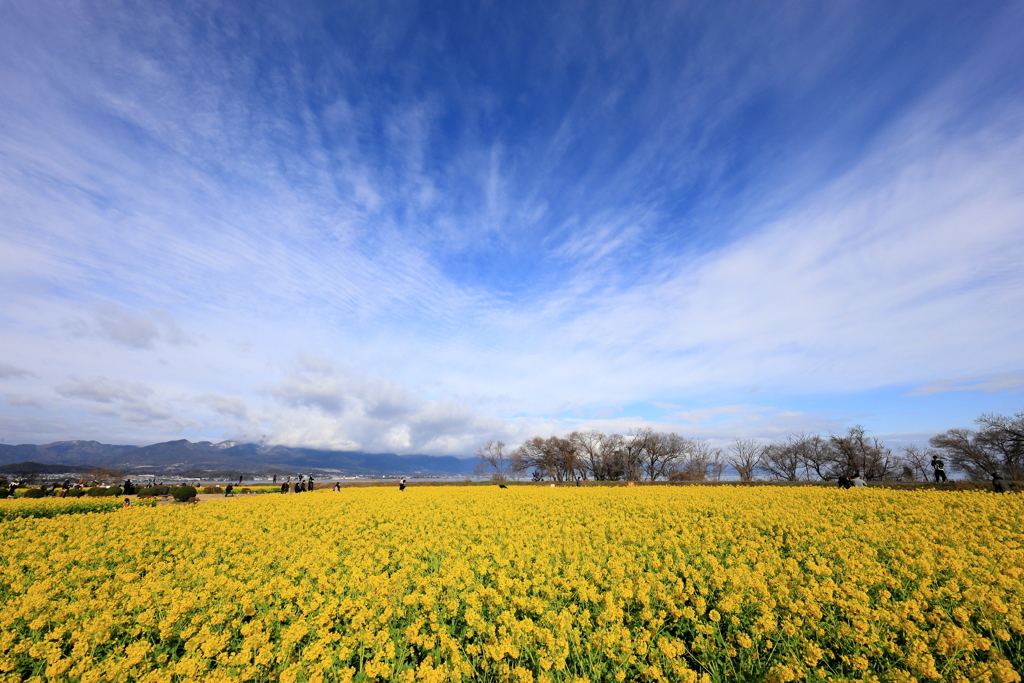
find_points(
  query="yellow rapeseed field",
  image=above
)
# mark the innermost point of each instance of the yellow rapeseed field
(523, 584)
(54, 507)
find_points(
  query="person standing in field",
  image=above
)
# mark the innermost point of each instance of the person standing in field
(999, 484)
(401, 484)
(337, 486)
(857, 481)
(940, 469)
(284, 487)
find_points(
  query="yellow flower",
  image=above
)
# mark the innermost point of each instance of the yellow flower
(464, 583)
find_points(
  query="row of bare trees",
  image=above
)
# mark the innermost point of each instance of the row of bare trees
(640, 454)
(996, 446)
(803, 457)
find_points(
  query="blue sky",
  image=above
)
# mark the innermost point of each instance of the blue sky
(415, 227)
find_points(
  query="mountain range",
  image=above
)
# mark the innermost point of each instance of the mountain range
(227, 456)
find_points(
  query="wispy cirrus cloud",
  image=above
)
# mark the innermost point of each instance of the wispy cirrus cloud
(573, 208)
(1007, 381)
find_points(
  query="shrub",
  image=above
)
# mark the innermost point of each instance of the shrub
(35, 493)
(149, 492)
(76, 493)
(183, 493)
(212, 489)
(104, 491)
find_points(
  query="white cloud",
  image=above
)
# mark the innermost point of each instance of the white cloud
(1008, 381)
(130, 398)
(901, 270)
(229, 406)
(126, 328)
(709, 414)
(103, 390)
(119, 325)
(328, 406)
(12, 372)
(23, 401)
(324, 393)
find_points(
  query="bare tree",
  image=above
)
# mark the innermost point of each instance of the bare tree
(555, 456)
(858, 452)
(965, 453)
(716, 465)
(616, 463)
(705, 460)
(588, 449)
(600, 454)
(634, 451)
(819, 455)
(784, 460)
(916, 462)
(996, 447)
(660, 453)
(496, 461)
(1005, 436)
(699, 462)
(744, 456)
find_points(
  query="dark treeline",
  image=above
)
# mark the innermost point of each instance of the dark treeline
(996, 446)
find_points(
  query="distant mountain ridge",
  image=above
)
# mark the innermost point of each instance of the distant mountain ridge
(184, 455)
